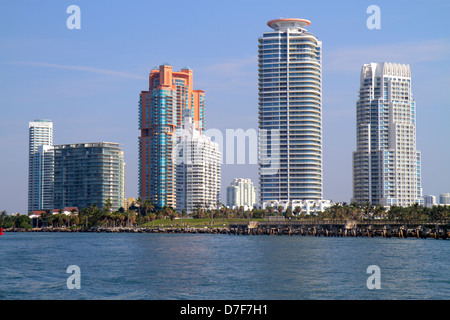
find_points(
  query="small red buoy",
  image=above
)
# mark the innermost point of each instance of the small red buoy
(1, 231)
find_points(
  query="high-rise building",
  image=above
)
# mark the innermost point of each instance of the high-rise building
(290, 102)
(197, 161)
(241, 192)
(160, 113)
(40, 170)
(87, 174)
(47, 161)
(386, 164)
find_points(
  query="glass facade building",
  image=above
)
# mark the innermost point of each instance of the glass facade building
(290, 103)
(161, 111)
(87, 174)
(386, 163)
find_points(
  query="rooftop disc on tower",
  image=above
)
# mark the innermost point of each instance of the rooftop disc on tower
(292, 23)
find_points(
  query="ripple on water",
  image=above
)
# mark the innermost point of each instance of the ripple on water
(183, 266)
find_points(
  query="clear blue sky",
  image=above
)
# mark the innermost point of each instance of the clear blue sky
(88, 81)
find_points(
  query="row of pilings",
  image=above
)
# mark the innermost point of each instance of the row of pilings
(342, 231)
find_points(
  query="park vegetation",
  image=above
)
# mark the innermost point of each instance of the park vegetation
(144, 214)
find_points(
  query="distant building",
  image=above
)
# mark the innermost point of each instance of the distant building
(241, 192)
(444, 198)
(40, 168)
(128, 202)
(197, 161)
(429, 201)
(88, 173)
(35, 216)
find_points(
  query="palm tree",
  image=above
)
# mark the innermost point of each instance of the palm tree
(264, 213)
(138, 203)
(147, 207)
(168, 211)
(241, 211)
(227, 213)
(288, 213)
(199, 212)
(107, 207)
(182, 214)
(46, 217)
(368, 210)
(379, 211)
(58, 218)
(152, 217)
(280, 209)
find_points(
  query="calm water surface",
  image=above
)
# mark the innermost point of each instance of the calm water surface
(204, 266)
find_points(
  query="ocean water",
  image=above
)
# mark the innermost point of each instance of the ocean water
(33, 266)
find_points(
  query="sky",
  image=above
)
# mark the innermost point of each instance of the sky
(88, 80)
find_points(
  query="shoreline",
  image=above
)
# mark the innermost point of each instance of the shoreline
(214, 230)
(314, 232)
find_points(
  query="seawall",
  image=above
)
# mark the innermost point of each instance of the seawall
(316, 229)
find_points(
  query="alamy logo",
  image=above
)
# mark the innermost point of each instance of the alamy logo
(74, 21)
(239, 145)
(74, 281)
(374, 21)
(374, 281)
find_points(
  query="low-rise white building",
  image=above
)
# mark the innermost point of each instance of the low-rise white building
(305, 206)
(444, 198)
(429, 201)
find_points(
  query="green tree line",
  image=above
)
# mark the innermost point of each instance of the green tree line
(144, 213)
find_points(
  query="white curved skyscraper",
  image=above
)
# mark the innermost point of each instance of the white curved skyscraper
(290, 104)
(386, 164)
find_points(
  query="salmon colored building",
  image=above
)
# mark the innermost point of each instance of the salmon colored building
(160, 114)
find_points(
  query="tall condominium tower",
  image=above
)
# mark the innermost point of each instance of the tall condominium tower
(290, 102)
(241, 192)
(386, 164)
(160, 113)
(197, 162)
(40, 169)
(87, 174)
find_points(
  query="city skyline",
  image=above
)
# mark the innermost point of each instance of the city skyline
(86, 81)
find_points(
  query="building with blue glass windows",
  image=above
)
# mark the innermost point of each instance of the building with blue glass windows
(161, 110)
(290, 105)
(386, 163)
(87, 174)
